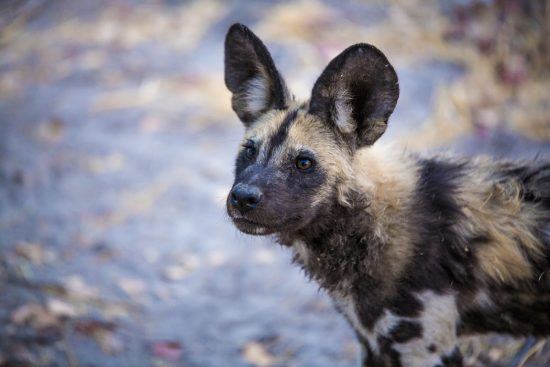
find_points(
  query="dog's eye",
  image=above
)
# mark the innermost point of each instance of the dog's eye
(303, 163)
(250, 151)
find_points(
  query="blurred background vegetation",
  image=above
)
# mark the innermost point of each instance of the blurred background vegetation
(116, 152)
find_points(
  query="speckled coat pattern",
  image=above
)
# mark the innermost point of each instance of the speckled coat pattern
(415, 251)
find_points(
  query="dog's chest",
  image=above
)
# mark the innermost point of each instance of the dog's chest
(347, 307)
(439, 310)
(435, 328)
(344, 303)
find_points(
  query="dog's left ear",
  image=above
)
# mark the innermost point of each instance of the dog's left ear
(356, 94)
(251, 75)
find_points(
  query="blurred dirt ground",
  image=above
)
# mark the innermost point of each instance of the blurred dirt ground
(116, 152)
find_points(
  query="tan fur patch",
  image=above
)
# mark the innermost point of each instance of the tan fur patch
(497, 211)
(389, 181)
(256, 96)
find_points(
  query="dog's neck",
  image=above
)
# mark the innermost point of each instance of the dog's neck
(349, 243)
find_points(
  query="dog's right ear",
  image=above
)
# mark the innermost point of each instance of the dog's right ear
(251, 76)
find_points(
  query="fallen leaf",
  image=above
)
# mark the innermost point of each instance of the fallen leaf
(216, 258)
(175, 272)
(109, 342)
(513, 70)
(105, 164)
(23, 313)
(256, 354)
(34, 252)
(132, 287)
(152, 124)
(60, 308)
(167, 349)
(35, 315)
(115, 310)
(78, 288)
(180, 270)
(103, 332)
(51, 131)
(91, 326)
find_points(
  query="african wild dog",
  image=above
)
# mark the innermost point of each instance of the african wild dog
(414, 251)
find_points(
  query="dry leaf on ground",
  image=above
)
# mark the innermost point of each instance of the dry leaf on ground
(256, 354)
(167, 349)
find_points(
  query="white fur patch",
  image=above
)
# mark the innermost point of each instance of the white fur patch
(342, 111)
(382, 327)
(347, 307)
(257, 93)
(300, 249)
(438, 322)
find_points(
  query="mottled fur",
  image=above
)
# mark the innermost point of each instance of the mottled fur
(415, 251)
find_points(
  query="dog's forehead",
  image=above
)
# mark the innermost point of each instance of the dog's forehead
(289, 129)
(266, 126)
(309, 132)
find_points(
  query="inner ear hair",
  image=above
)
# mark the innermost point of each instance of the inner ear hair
(342, 111)
(356, 94)
(251, 75)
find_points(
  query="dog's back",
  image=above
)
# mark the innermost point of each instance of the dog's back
(513, 257)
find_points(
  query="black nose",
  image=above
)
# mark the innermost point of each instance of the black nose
(245, 197)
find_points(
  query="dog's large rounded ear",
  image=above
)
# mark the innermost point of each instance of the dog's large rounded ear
(356, 93)
(251, 76)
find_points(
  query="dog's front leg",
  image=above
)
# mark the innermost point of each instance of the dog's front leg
(415, 353)
(425, 339)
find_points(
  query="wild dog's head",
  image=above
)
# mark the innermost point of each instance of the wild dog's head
(296, 158)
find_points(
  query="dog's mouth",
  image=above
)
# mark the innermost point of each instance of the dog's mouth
(257, 228)
(251, 227)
